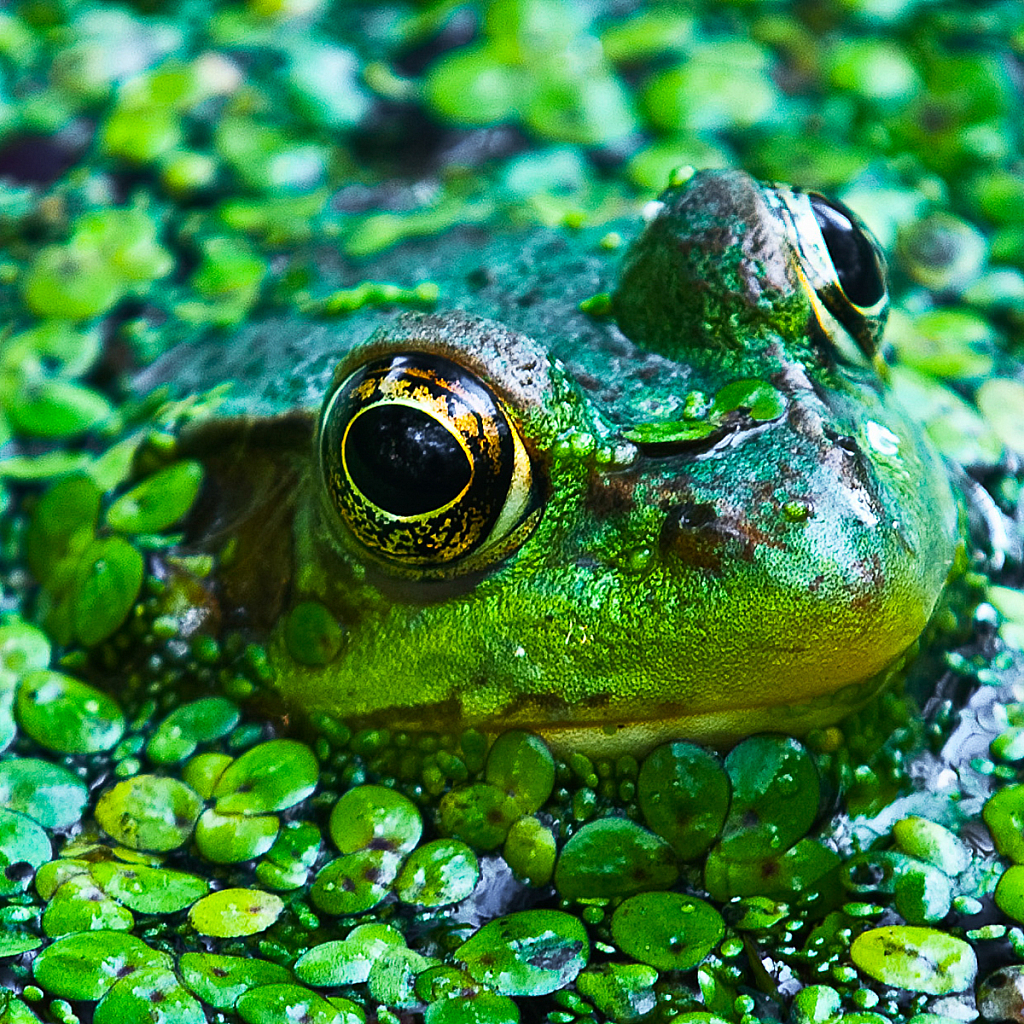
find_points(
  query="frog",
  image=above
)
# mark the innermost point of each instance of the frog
(692, 508)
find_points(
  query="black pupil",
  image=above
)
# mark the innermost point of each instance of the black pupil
(404, 461)
(852, 253)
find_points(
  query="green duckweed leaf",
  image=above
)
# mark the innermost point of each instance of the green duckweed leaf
(347, 961)
(918, 959)
(230, 913)
(479, 814)
(66, 715)
(622, 992)
(775, 797)
(931, 842)
(24, 848)
(14, 944)
(149, 812)
(671, 432)
(199, 721)
(67, 350)
(437, 874)
(148, 890)
(355, 882)
(54, 408)
(392, 979)
(152, 995)
(71, 283)
(86, 965)
(232, 838)
(222, 980)
(269, 777)
(481, 1007)
(375, 815)
(159, 501)
(81, 906)
(530, 851)
(1009, 894)
(62, 526)
(1000, 401)
(683, 792)
(22, 649)
(1003, 813)
(106, 584)
(805, 864)
(45, 466)
(758, 397)
(55, 873)
(202, 771)
(47, 793)
(614, 857)
(667, 930)
(530, 953)
(521, 764)
(284, 1004)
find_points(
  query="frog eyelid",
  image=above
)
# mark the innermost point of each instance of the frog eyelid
(837, 314)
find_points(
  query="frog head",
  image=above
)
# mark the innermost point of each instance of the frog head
(744, 534)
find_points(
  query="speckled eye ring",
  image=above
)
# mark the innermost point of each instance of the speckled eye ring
(423, 465)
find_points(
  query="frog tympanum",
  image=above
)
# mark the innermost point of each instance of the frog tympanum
(701, 516)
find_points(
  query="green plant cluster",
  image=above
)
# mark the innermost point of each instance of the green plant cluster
(171, 170)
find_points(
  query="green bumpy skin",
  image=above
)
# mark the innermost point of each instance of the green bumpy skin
(698, 567)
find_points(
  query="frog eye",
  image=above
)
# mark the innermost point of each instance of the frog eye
(854, 254)
(424, 467)
(851, 281)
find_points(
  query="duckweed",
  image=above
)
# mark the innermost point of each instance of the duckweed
(373, 815)
(47, 793)
(667, 930)
(775, 797)
(530, 850)
(79, 905)
(67, 716)
(149, 812)
(148, 890)
(23, 845)
(683, 792)
(221, 980)
(622, 992)
(200, 721)
(347, 961)
(229, 913)
(529, 953)
(480, 815)
(271, 776)
(355, 882)
(438, 873)
(86, 965)
(146, 993)
(283, 1004)
(613, 857)
(521, 765)
(918, 959)
(230, 838)
(159, 501)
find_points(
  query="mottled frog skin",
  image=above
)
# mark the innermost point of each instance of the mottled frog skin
(701, 515)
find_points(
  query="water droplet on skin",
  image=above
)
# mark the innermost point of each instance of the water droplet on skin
(882, 439)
